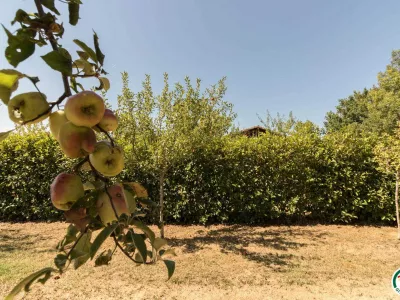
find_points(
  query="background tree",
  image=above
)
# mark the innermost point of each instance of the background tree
(349, 111)
(387, 153)
(159, 130)
(376, 110)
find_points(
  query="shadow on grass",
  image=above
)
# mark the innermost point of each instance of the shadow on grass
(235, 239)
(12, 240)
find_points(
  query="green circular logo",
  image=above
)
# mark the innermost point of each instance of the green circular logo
(396, 281)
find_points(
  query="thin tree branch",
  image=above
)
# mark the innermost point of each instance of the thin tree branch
(107, 134)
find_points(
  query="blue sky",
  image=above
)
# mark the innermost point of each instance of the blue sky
(281, 56)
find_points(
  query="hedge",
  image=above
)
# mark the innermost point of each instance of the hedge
(302, 177)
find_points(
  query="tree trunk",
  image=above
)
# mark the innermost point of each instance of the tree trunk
(397, 203)
(162, 204)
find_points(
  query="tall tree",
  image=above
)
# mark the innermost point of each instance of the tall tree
(350, 110)
(158, 130)
(387, 154)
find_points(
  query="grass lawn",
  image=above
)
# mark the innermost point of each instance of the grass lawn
(218, 262)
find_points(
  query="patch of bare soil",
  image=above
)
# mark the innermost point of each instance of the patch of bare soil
(218, 262)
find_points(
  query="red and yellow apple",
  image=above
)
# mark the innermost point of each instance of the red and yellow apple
(76, 141)
(65, 190)
(27, 106)
(105, 208)
(85, 109)
(109, 122)
(56, 120)
(107, 159)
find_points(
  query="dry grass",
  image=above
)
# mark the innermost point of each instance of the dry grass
(219, 262)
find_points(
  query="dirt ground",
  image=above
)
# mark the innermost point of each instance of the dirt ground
(218, 262)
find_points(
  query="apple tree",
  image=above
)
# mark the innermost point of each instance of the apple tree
(96, 205)
(159, 130)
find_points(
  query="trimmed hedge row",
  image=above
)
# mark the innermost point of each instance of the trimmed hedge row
(301, 177)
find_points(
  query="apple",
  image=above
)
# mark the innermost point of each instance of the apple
(85, 109)
(106, 159)
(104, 207)
(77, 216)
(65, 190)
(56, 120)
(76, 141)
(27, 106)
(109, 122)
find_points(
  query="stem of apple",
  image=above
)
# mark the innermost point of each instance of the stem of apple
(107, 134)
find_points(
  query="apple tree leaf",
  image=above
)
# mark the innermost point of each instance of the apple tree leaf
(8, 83)
(140, 245)
(49, 4)
(143, 227)
(87, 49)
(73, 9)
(137, 189)
(170, 251)
(58, 60)
(170, 266)
(19, 47)
(102, 236)
(28, 281)
(100, 56)
(104, 83)
(104, 258)
(158, 243)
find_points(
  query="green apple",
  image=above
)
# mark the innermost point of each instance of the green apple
(105, 208)
(106, 159)
(27, 106)
(109, 122)
(85, 109)
(65, 190)
(76, 141)
(56, 120)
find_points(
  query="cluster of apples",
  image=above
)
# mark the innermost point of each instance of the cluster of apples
(74, 128)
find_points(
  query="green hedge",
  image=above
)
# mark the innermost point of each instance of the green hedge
(301, 177)
(28, 164)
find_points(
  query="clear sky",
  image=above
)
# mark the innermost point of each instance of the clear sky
(281, 56)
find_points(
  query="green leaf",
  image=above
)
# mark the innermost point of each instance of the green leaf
(170, 251)
(159, 243)
(137, 189)
(147, 202)
(81, 252)
(59, 61)
(103, 235)
(83, 55)
(4, 135)
(28, 281)
(81, 260)
(49, 4)
(104, 258)
(60, 260)
(170, 266)
(100, 56)
(19, 47)
(21, 16)
(84, 65)
(104, 83)
(87, 49)
(140, 246)
(139, 224)
(73, 9)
